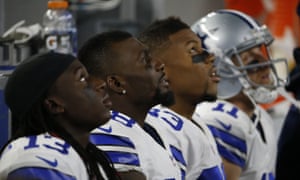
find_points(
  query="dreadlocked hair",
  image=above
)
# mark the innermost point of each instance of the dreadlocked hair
(157, 34)
(33, 122)
(39, 120)
(91, 156)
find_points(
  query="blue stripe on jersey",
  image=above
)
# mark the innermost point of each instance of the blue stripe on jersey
(230, 139)
(123, 158)
(212, 173)
(231, 156)
(38, 173)
(234, 142)
(111, 140)
(177, 154)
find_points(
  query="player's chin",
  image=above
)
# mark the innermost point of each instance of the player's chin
(164, 97)
(164, 89)
(213, 89)
(105, 117)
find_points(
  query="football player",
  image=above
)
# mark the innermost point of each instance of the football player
(244, 132)
(136, 82)
(51, 128)
(192, 78)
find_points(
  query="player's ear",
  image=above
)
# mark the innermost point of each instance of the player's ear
(54, 105)
(116, 84)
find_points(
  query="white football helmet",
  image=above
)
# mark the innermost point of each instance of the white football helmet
(226, 33)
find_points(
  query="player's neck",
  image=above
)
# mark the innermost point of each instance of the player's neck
(83, 139)
(138, 115)
(137, 112)
(183, 107)
(244, 103)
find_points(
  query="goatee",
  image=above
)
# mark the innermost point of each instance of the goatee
(165, 99)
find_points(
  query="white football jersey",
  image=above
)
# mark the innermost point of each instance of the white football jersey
(43, 157)
(193, 147)
(131, 148)
(248, 143)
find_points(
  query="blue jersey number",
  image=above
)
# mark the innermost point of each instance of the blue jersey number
(57, 146)
(121, 118)
(232, 112)
(170, 118)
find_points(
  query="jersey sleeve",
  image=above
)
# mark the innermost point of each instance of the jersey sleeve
(228, 128)
(120, 148)
(41, 157)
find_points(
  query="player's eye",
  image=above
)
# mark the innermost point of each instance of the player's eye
(193, 51)
(256, 63)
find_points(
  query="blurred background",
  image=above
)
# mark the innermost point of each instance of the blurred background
(98, 15)
(93, 16)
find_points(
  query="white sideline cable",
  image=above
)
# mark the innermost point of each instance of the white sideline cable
(288, 97)
(90, 5)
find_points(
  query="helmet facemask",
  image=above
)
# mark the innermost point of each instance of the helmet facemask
(228, 34)
(240, 73)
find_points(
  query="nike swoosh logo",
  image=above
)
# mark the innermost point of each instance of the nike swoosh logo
(53, 163)
(225, 126)
(108, 130)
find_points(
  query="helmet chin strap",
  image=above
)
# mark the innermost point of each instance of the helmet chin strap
(262, 95)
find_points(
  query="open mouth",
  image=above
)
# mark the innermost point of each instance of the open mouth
(214, 76)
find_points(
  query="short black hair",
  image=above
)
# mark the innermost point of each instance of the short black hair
(96, 50)
(157, 33)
